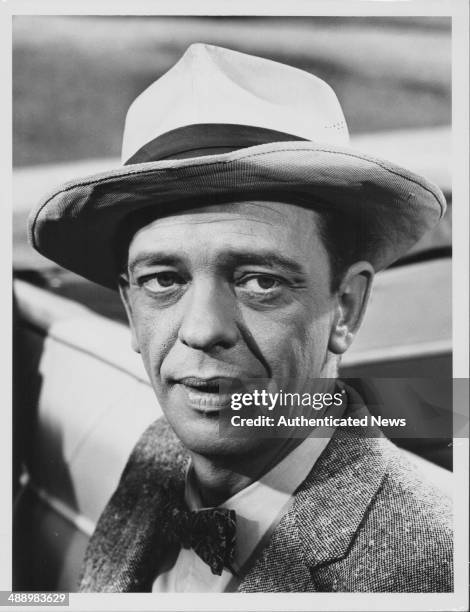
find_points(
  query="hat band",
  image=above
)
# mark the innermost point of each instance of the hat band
(206, 139)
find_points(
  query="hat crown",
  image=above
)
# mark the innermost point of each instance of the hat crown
(213, 85)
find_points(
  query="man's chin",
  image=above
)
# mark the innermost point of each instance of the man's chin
(202, 428)
(206, 439)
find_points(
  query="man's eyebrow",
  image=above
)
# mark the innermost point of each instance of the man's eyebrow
(260, 258)
(227, 259)
(154, 258)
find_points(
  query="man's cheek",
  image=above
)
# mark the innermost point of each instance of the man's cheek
(284, 347)
(151, 345)
(296, 350)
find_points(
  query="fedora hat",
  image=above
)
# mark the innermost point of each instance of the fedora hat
(223, 126)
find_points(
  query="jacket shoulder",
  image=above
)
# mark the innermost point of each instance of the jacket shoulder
(405, 540)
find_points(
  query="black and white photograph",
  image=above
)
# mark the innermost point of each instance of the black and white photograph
(233, 329)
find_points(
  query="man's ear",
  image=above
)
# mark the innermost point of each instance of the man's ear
(351, 302)
(124, 293)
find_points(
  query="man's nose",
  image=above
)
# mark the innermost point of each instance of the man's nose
(209, 318)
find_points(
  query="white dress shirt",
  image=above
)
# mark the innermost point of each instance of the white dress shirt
(259, 507)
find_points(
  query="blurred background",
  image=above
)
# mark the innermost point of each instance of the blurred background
(74, 77)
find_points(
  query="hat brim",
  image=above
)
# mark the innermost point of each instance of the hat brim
(76, 225)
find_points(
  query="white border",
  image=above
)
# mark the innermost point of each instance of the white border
(398, 8)
(320, 601)
(5, 279)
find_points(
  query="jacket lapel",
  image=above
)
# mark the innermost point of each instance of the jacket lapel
(326, 513)
(130, 541)
(280, 566)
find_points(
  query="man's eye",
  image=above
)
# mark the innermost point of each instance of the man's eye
(162, 281)
(260, 284)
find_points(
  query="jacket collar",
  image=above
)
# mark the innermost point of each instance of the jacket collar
(327, 511)
(332, 502)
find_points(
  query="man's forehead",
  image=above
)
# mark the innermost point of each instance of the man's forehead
(271, 214)
(220, 230)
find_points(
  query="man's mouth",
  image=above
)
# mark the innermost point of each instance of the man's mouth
(208, 395)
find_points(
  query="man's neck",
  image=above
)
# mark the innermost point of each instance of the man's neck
(219, 478)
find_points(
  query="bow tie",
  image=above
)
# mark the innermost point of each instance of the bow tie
(211, 533)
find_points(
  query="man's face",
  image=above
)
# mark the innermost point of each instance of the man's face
(228, 292)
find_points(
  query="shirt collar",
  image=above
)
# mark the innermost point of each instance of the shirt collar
(261, 505)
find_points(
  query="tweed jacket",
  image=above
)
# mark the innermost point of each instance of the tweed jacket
(362, 521)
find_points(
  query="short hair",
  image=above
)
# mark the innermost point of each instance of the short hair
(341, 238)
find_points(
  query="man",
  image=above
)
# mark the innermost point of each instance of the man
(243, 235)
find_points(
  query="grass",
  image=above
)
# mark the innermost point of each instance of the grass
(74, 77)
